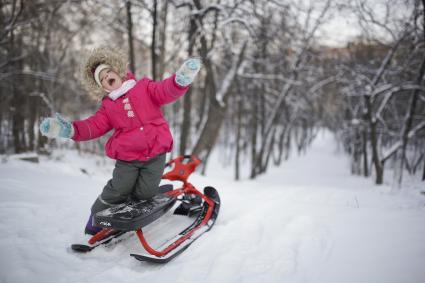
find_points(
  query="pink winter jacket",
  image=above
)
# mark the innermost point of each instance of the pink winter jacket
(141, 132)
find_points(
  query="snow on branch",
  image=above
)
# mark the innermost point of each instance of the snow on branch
(45, 99)
(323, 83)
(386, 62)
(416, 129)
(382, 105)
(41, 75)
(389, 88)
(13, 18)
(393, 149)
(182, 4)
(277, 77)
(240, 21)
(230, 76)
(202, 12)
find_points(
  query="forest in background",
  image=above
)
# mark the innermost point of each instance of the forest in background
(268, 82)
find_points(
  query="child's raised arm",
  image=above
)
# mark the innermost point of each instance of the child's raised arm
(170, 89)
(93, 127)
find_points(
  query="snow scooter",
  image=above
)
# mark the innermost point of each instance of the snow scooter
(133, 216)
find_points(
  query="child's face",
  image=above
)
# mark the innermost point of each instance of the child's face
(110, 80)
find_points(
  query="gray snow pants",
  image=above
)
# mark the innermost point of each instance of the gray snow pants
(131, 180)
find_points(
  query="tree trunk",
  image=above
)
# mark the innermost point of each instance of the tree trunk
(130, 37)
(187, 100)
(18, 100)
(379, 169)
(238, 134)
(33, 103)
(371, 120)
(211, 130)
(268, 153)
(254, 131)
(153, 45)
(218, 98)
(205, 91)
(423, 173)
(162, 39)
(409, 122)
(281, 144)
(365, 155)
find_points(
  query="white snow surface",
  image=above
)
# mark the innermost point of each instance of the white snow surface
(306, 221)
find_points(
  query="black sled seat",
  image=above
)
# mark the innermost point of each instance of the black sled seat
(131, 216)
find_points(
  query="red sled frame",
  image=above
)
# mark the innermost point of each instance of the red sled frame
(180, 172)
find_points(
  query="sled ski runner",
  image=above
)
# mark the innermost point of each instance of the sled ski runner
(133, 216)
(107, 240)
(184, 239)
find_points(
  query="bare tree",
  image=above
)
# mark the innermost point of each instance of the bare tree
(130, 36)
(384, 87)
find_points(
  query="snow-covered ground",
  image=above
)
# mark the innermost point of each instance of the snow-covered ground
(307, 221)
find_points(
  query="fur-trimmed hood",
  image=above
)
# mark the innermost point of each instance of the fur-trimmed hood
(102, 55)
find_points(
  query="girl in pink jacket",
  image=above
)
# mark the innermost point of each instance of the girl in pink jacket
(132, 109)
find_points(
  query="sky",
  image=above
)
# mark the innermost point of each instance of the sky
(343, 24)
(339, 30)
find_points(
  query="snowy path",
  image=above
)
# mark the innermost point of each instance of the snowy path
(308, 221)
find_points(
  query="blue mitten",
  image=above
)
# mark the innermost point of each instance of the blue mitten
(56, 127)
(188, 71)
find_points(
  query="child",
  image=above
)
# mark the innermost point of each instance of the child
(141, 135)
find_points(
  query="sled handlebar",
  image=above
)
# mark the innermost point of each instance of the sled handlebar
(181, 171)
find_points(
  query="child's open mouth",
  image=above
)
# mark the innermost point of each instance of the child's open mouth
(111, 81)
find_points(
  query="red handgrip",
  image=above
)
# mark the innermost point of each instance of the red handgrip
(182, 171)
